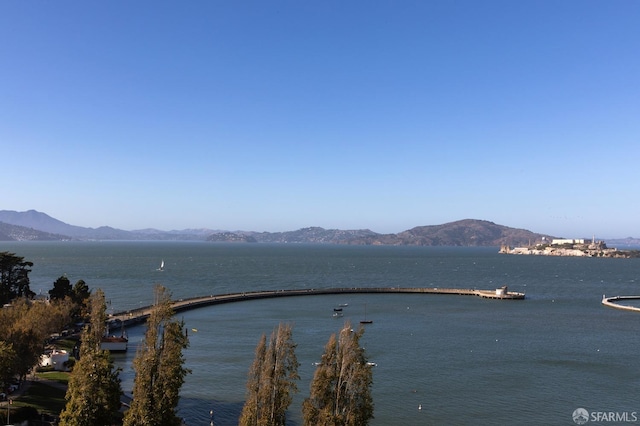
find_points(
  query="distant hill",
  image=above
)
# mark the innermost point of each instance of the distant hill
(467, 233)
(21, 233)
(304, 235)
(462, 233)
(43, 222)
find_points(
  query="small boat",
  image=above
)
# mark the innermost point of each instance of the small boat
(114, 343)
(161, 268)
(343, 305)
(337, 309)
(337, 314)
(372, 364)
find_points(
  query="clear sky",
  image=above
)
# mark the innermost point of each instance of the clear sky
(278, 115)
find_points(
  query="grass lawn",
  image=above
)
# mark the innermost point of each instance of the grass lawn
(44, 398)
(66, 344)
(56, 376)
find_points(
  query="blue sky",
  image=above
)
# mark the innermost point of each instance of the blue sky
(277, 115)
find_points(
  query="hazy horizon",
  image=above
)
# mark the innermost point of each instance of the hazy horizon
(597, 237)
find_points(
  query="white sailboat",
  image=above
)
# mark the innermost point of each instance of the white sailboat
(161, 268)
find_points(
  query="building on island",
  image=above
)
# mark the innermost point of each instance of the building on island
(559, 242)
(567, 247)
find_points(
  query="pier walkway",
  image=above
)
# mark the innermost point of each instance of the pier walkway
(611, 302)
(140, 315)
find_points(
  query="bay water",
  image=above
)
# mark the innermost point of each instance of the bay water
(441, 359)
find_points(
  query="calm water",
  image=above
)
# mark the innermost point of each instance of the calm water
(464, 359)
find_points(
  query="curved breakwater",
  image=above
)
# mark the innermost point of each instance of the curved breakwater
(140, 315)
(611, 302)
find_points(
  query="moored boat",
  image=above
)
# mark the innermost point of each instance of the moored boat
(114, 343)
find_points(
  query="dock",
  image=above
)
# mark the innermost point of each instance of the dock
(140, 315)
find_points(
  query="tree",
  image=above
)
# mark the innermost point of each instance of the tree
(61, 289)
(80, 295)
(25, 326)
(272, 380)
(159, 367)
(341, 386)
(80, 292)
(7, 362)
(14, 277)
(93, 393)
(27, 329)
(252, 404)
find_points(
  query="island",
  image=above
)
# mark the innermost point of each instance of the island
(570, 247)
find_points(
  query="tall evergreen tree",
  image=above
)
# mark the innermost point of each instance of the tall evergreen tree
(93, 394)
(252, 405)
(80, 295)
(272, 380)
(159, 367)
(61, 289)
(14, 277)
(341, 386)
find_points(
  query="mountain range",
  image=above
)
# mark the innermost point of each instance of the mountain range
(32, 225)
(37, 226)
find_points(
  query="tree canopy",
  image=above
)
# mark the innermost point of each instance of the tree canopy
(159, 367)
(61, 289)
(93, 394)
(24, 327)
(272, 380)
(341, 386)
(14, 277)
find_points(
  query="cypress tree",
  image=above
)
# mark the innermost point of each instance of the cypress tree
(341, 386)
(252, 404)
(14, 277)
(93, 394)
(272, 380)
(159, 367)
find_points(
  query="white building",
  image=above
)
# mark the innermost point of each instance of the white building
(55, 358)
(567, 241)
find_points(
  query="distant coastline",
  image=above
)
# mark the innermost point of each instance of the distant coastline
(571, 247)
(36, 226)
(32, 225)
